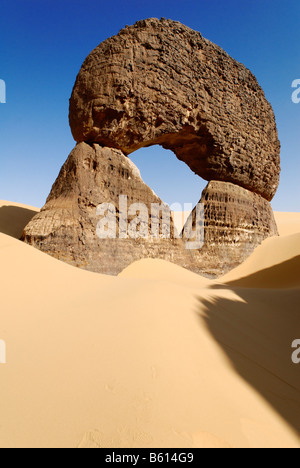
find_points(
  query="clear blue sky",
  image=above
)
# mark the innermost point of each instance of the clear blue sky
(44, 42)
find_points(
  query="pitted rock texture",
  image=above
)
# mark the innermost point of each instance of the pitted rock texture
(236, 220)
(159, 82)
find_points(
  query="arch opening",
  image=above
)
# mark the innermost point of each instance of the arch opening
(192, 147)
(171, 179)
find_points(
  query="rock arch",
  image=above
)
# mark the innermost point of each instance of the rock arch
(171, 179)
(159, 82)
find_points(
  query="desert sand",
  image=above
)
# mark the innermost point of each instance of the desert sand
(288, 223)
(157, 357)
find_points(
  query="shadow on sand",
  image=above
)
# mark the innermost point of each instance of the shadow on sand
(13, 219)
(283, 275)
(256, 332)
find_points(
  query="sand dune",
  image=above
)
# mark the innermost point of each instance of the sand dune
(288, 223)
(14, 217)
(275, 263)
(160, 270)
(157, 357)
(285, 275)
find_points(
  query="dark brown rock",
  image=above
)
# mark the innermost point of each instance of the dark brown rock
(159, 82)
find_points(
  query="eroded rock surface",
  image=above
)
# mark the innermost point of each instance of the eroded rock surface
(159, 82)
(66, 228)
(236, 220)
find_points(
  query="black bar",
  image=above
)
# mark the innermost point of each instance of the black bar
(139, 457)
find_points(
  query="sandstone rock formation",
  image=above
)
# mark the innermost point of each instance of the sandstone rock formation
(66, 226)
(159, 82)
(236, 220)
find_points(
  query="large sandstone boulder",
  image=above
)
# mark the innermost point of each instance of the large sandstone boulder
(159, 82)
